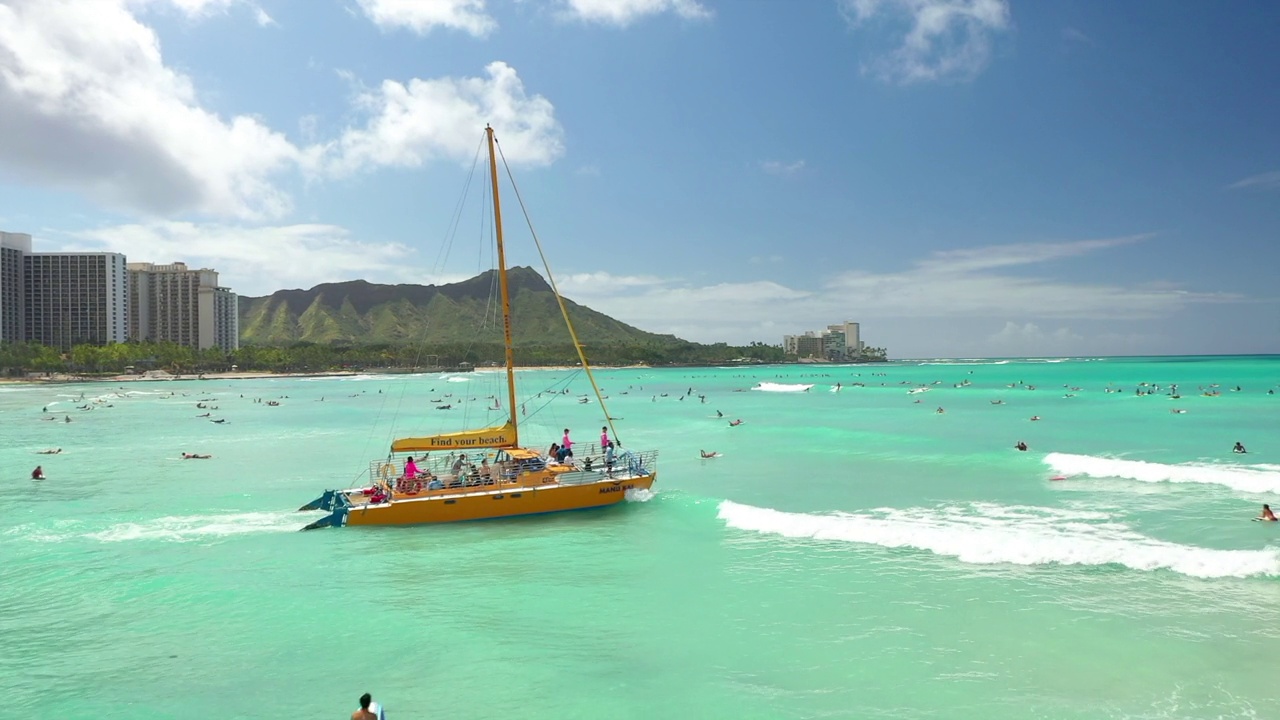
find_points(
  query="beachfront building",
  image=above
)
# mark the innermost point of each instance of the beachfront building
(13, 247)
(173, 303)
(841, 342)
(71, 299)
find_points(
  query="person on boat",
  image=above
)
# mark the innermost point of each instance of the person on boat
(486, 472)
(1267, 514)
(566, 446)
(1239, 449)
(608, 460)
(1021, 446)
(459, 466)
(553, 453)
(410, 469)
(363, 712)
(706, 454)
(38, 473)
(604, 437)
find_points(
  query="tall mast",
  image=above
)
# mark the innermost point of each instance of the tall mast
(506, 297)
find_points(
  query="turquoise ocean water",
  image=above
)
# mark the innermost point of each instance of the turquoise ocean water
(852, 554)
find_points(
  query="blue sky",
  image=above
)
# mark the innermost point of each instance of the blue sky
(963, 177)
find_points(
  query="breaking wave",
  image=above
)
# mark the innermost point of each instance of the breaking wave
(781, 387)
(988, 534)
(1245, 478)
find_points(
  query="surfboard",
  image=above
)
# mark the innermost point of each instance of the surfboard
(1058, 477)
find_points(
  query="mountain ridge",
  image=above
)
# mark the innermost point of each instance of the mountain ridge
(365, 313)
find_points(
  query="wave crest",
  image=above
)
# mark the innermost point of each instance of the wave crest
(987, 534)
(1246, 478)
(781, 387)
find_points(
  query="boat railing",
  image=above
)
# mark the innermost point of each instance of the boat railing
(626, 463)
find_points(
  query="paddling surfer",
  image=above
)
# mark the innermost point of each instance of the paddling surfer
(38, 473)
(1239, 449)
(706, 454)
(363, 712)
(1267, 514)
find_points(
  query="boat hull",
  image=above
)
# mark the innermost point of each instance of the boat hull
(498, 503)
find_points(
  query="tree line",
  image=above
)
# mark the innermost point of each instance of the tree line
(17, 359)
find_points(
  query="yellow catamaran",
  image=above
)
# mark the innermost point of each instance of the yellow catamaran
(486, 474)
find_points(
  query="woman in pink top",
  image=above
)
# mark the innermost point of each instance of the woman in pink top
(410, 469)
(604, 437)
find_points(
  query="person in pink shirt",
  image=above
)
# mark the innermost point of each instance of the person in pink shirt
(604, 437)
(566, 446)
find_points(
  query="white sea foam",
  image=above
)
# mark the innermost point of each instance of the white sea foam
(781, 387)
(1246, 478)
(190, 528)
(639, 495)
(986, 534)
(342, 378)
(457, 378)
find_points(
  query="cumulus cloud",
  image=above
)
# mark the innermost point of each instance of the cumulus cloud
(422, 16)
(1262, 181)
(624, 12)
(411, 123)
(255, 260)
(945, 39)
(99, 110)
(973, 283)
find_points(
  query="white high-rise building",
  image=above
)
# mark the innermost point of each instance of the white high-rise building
(74, 298)
(172, 303)
(13, 247)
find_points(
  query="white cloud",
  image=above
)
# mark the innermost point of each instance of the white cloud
(1263, 181)
(972, 283)
(1015, 339)
(1074, 35)
(262, 18)
(100, 111)
(256, 260)
(422, 16)
(783, 169)
(623, 12)
(588, 171)
(428, 119)
(947, 39)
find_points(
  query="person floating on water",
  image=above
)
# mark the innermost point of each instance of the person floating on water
(719, 414)
(1239, 449)
(711, 454)
(364, 712)
(38, 473)
(735, 423)
(1267, 514)
(1021, 446)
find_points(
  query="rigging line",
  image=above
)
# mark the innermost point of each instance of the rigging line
(559, 300)
(442, 257)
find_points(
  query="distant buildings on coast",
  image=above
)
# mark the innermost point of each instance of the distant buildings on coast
(66, 299)
(837, 343)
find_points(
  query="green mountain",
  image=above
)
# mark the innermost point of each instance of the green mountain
(360, 312)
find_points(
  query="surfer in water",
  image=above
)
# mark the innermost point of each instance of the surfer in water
(1267, 514)
(706, 455)
(1021, 446)
(735, 423)
(38, 473)
(1239, 449)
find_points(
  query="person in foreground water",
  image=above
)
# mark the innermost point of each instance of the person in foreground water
(1267, 514)
(1239, 449)
(368, 709)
